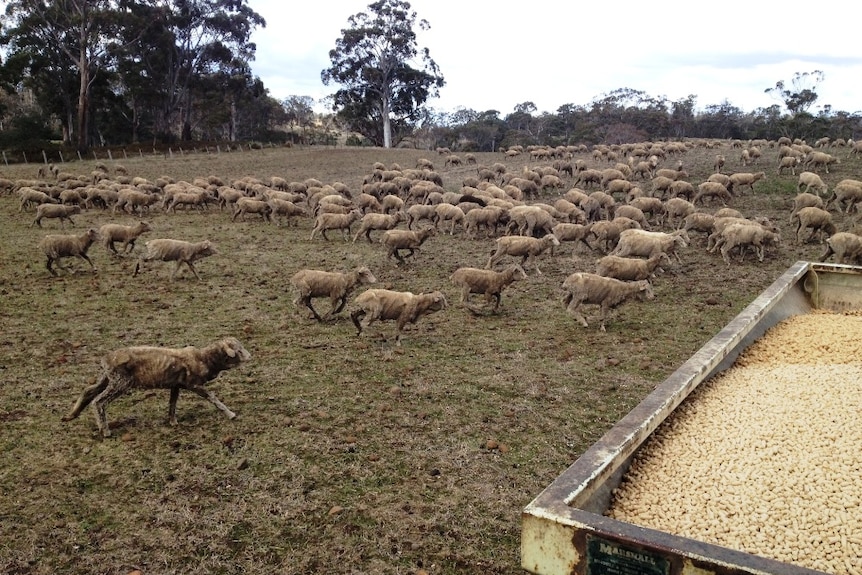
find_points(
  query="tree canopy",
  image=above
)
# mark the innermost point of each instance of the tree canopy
(385, 77)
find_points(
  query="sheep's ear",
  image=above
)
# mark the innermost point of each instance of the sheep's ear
(229, 348)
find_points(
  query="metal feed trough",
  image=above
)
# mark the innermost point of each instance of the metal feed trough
(564, 531)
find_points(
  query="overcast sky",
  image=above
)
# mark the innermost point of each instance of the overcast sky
(495, 55)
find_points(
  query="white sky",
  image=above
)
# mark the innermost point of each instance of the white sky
(495, 55)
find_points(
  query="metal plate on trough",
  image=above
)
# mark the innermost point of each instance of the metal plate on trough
(564, 531)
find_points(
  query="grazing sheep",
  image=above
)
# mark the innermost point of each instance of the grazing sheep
(811, 180)
(817, 219)
(744, 179)
(168, 250)
(58, 211)
(391, 203)
(403, 307)
(805, 200)
(630, 269)
(111, 233)
(846, 195)
(329, 221)
(608, 293)
(788, 162)
(525, 247)
(649, 205)
(698, 222)
(681, 189)
(335, 285)
(743, 235)
(145, 367)
(711, 190)
(678, 208)
(845, 246)
(55, 247)
(396, 240)
(647, 244)
(487, 282)
(448, 213)
(373, 221)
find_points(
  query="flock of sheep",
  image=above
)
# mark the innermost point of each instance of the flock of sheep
(616, 204)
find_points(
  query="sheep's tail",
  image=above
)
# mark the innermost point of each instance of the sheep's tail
(87, 397)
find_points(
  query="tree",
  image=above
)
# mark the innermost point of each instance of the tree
(375, 63)
(801, 95)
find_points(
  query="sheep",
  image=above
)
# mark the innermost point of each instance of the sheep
(530, 220)
(646, 244)
(712, 190)
(698, 222)
(722, 179)
(816, 159)
(111, 233)
(630, 269)
(846, 194)
(328, 221)
(55, 211)
(678, 208)
(198, 198)
(147, 367)
(524, 246)
(131, 200)
(373, 221)
(391, 203)
(180, 251)
(336, 285)
(805, 200)
(396, 240)
(607, 232)
(586, 288)
(788, 162)
(490, 283)
(447, 212)
(487, 217)
(55, 247)
(568, 232)
(418, 212)
(845, 246)
(745, 234)
(811, 180)
(681, 189)
(740, 179)
(29, 196)
(285, 208)
(649, 205)
(660, 185)
(403, 307)
(719, 163)
(817, 219)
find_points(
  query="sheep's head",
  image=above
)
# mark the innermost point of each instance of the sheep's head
(234, 349)
(645, 289)
(365, 275)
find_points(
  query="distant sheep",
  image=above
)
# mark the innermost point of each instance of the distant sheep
(402, 307)
(712, 190)
(788, 163)
(489, 283)
(397, 240)
(487, 218)
(283, 209)
(740, 179)
(30, 197)
(182, 252)
(56, 211)
(336, 286)
(815, 160)
(676, 210)
(525, 247)
(245, 206)
(112, 233)
(145, 367)
(608, 293)
(448, 213)
(55, 247)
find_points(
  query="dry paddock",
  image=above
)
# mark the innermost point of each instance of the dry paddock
(349, 454)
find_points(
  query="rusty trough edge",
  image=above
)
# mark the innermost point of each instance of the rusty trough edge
(555, 521)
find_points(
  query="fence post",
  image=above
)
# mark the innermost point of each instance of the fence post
(5, 161)
(109, 156)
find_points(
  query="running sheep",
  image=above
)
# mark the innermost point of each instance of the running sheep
(743, 235)
(525, 247)
(740, 179)
(55, 247)
(402, 307)
(816, 219)
(337, 286)
(374, 221)
(396, 240)
(328, 221)
(489, 283)
(182, 252)
(608, 293)
(146, 367)
(58, 211)
(630, 269)
(112, 233)
(643, 243)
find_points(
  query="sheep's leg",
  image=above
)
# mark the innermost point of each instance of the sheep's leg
(572, 308)
(172, 405)
(338, 305)
(307, 302)
(51, 269)
(88, 260)
(115, 387)
(191, 267)
(90, 393)
(211, 397)
(355, 317)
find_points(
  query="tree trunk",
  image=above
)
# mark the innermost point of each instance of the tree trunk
(83, 99)
(387, 126)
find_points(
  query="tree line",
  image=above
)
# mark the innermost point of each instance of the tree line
(116, 72)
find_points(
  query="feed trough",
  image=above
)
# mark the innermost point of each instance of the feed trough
(567, 529)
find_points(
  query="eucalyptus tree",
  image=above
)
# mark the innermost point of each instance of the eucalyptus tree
(385, 77)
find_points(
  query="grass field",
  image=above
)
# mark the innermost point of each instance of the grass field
(349, 455)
